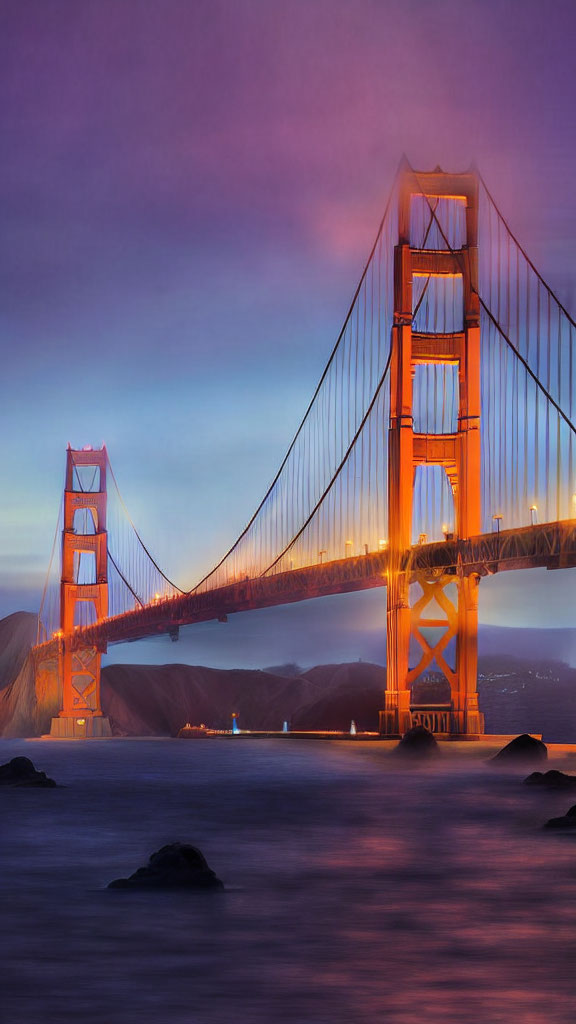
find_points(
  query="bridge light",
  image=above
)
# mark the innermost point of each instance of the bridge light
(497, 519)
(422, 538)
(320, 554)
(533, 514)
(383, 543)
(347, 548)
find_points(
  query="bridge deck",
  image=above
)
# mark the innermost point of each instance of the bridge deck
(548, 545)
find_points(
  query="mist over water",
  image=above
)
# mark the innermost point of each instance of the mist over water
(357, 889)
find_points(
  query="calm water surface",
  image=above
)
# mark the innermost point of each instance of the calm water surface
(357, 891)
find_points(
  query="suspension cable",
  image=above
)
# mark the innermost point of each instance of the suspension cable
(108, 552)
(138, 537)
(527, 367)
(550, 290)
(319, 385)
(338, 470)
(47, 580)
(123, 578)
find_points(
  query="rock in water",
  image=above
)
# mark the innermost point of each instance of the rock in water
(176, 866)
(568, 821)
(417, 743)
(21, 772)
(523, 748)
(551, 780)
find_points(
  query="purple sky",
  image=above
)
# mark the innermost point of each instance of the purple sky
(188, 193)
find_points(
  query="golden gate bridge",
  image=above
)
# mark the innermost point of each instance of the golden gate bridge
(437, 448)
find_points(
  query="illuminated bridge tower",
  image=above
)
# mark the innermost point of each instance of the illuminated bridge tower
(84, 554)
(459, 455)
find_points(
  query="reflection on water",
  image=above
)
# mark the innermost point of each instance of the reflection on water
(359, 891)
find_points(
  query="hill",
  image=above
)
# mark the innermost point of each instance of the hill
(17, 634)
(517, 694)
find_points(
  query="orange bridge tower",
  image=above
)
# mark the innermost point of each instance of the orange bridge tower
(84, 585)
(449, 596)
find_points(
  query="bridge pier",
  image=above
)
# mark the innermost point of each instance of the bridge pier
(81, 727)
(396, 718)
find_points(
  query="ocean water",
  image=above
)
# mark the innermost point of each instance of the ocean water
(357, 890)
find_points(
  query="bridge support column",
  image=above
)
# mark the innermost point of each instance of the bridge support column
(396, 717)
(466, 716)
(456, 611)
(82, 535)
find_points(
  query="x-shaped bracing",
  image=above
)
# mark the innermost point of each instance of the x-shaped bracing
(434, 590)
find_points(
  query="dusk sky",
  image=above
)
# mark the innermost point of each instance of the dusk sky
(188, 193)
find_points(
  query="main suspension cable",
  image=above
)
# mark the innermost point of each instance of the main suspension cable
(338, 470)
(138, 537)
(550, 290)
(316, 392)
(458, 257)
(108, 552)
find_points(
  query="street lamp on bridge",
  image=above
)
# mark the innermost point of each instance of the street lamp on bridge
(497, 519)
(533, 515)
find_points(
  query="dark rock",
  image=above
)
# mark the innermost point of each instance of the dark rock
(567, 821)
(21, 772)
(176, 866)
(551, 780)
(523, 748)
(417, 743)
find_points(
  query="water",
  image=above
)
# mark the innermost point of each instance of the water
(358, 891)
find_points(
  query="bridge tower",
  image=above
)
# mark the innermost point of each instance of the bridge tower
(78, 666)
(459, 455)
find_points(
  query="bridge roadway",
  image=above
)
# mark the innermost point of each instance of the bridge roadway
(547, 545)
